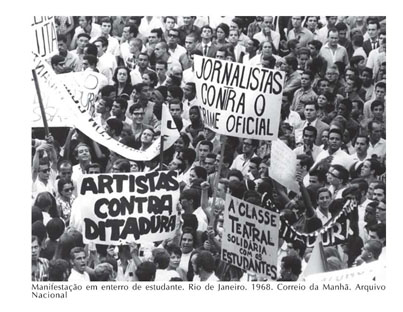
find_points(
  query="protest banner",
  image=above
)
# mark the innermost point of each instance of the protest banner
(85, 87)
(75, 114)
(122, 208)
(250, 238)
(238, 100)
(283, 164)
(44, 36)
(365, 273)
(334, 233)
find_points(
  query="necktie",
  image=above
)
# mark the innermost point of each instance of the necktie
(205, 50)
(374, 45)
(309, 123)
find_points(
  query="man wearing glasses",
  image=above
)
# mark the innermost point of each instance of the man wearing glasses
(242, 161)
(138, 125)
(175, 49)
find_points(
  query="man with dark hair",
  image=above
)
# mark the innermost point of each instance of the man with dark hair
(343, 40)
(205, 266)
(40, 266)
(290, 268)
(380, 93)
(334, 154)
(305, 94)
(205, 147)
(267, 33)
(129, 32)
(145, 272)
(324, 31)
(337, 178)
(311, 119)
(106, 61)
(86, 26)
(370, 252)
(113, 43)
(78, 262)
(119, 108)
(103, 108)
(70, 59)
(332, 51)
(82, 40)
(241, 162)
(377, 145)
(175, 49)
(308, 146)
(189, 91)
(303, 34)
(190, 45)
(188, 28)
(114, 128)
(59, 270)
(373, 28)
(293, 77)
(206, 46)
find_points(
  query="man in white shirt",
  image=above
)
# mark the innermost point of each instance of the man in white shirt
(241, 162)
(267, 34)
(106, 61)
(78, 262)
(175, 50)
(308, 146)
(113, 43)
(377, 144)
(204, 267)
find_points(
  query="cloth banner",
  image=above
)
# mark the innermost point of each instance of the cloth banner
(334, 233)
(44, 36)
(75, 114)
(250, 239)
(238, 100)
(122, 208)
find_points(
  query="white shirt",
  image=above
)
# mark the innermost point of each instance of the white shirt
(113, 46)
(275, 37)
(242, 164)
(107, 65)
(178, 52)
(201, 219)
(339, 158)
(78, 277)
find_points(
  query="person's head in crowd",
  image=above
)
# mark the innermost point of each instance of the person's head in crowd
(197, 172)
(254, 166)
(378, 232)
(188, 240)
(335, 140)
(91, 49)
(222, 32)
(309, 134)
(375, 131)
(69, 239)
(143, 60)
(58, 64)
(332, 74)
(155, 36)
(44, 170)
(209, 162)
(358, 62)
(190, 199)
(93, 168)
(323, 86)
(333, 37)
(161, 258)
(381, 213)
(177, 164)
(310, 111)
(252, 197)
(233, 37)
(311, 22)
(351, 73)
(371, 186)
(169, 22)
(371, 168)
(342, 30)
(78, 259)
(268, 61)
(378, 109)
(106, 26)
(357, 110)
(379, 193)
(182, 142)
(188, 155)
(127, 132)
(150, 78)
(147, 138)
(266, 48)
(304, 163)
(36, 214)
(204, 148)
(317, 178)
(35, 248)
(252, 47)
(204, 264)
(264, 167)
(82, 153)
(370, 252)
(361, 145)
(90, 61)
(120, 166)
(373, 28)
(370, 213)
(236, 188)
(135, 46)
(62, 44)
(194, 115)
(104, 272)
(174, 95)
(221, 53)
(296, 248)
(189, 91)
(206, 33)
(344, 108)
(136, 166)
(82, 40)
(324, 198)
(158, 95)
(362, 186)
(104, 105)
(353, 85)
(161, 51)
(114, 127)
(129, 31)
(47, 203)
(190, 42)
(290, 268)
(314, 47)
(145, 272)
(175, 255)
(249, 147)
(235, 175)
(55, 228)
(109, 92)
(293, 46)
(65, 188)
(337, 176)
(39, 230)
(303, 55)
(119, 108)
(59, 270)
(137, 113)
(122, 75)
(102, 45)
(173, 38)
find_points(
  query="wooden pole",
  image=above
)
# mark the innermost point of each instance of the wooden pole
(162, 151)
(217, 177)
(38, 92)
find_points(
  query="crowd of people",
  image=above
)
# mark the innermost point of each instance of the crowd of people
(332, 117)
